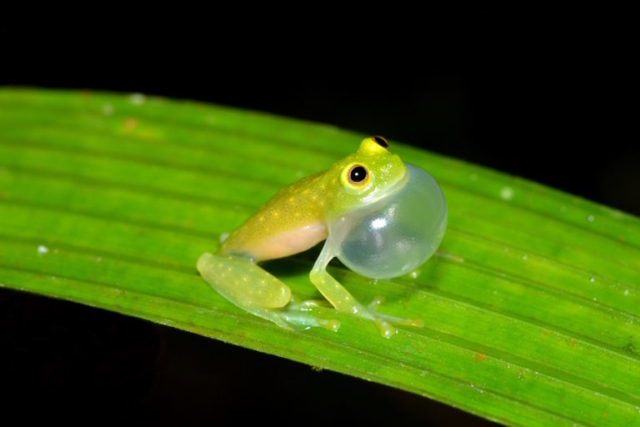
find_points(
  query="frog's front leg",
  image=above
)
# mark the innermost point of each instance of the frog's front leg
(251, 288)
(344, 302)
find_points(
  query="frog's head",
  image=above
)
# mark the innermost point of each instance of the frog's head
(388, 217)
(367, 175)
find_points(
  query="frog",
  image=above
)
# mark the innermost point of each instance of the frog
(381, 217)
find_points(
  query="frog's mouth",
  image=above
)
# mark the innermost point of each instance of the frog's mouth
(390, 189)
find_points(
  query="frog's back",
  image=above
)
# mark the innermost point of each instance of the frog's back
(292, 221)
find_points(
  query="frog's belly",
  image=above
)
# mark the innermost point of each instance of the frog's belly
(287, 243)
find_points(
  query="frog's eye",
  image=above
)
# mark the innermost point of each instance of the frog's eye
(356, 176)
(381, 141)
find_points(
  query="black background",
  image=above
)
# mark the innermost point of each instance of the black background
(555, 106)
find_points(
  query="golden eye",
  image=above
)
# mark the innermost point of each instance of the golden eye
(357, 176)
(381, 141)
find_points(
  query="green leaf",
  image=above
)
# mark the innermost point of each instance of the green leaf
(531, 306)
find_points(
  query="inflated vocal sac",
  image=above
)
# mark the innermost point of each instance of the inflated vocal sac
(394, 234)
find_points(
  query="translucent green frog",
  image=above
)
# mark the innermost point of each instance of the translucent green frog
(381, 217)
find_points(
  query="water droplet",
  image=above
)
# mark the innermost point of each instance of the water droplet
(137, 98)
(595, 299)
(590, 218)
(223, 237)
(506, 193)
(450, 256)
(107, 109)
(415, 274)
(626, 292)
(42, 250)
(525, 256)
(593, 279)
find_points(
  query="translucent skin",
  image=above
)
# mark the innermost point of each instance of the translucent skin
(364, 215)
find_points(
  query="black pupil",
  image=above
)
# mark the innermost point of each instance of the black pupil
(358, 174)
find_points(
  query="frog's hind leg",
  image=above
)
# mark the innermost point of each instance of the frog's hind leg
(253, 289)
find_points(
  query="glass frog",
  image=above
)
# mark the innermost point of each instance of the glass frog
(380, 216)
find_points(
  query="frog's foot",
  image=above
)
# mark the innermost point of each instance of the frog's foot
(307, 305)
(251, 288)
(296, 317)
(385, 322)
(296, 313)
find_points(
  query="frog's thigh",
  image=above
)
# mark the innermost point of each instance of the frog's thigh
(242, 282)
